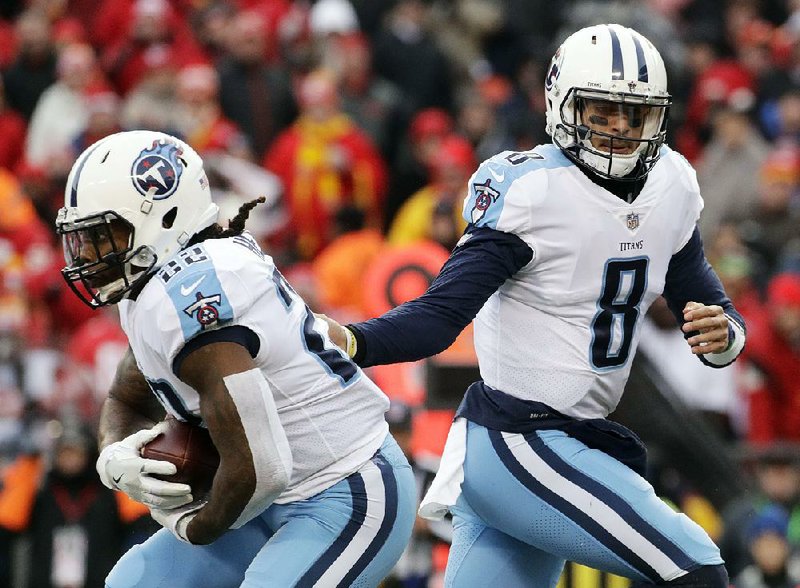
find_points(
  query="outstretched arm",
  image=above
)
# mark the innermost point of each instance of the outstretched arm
(479, 265)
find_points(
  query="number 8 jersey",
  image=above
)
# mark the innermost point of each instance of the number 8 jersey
(227, 289)
(563, 330)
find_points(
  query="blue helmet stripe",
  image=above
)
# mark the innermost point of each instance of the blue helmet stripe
(640, 60)
(73, 197)
(616, 56)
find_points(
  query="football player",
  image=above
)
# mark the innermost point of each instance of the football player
(311, 489)
(567, 246)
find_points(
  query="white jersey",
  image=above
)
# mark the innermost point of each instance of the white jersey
(564, 329)
(331, 412)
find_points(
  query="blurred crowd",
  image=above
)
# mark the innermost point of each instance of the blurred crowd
(361, 122)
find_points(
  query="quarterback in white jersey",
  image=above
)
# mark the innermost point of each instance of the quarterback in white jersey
(566, 248)
(219, 339)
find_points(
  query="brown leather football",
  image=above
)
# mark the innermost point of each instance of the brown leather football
(192, 451)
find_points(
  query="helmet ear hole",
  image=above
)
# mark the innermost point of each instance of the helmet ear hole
(169, 219)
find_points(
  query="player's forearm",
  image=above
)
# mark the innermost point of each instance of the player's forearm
(119, 419)
(255, 460)
(234, 484)
(131, 406)
(429, 324)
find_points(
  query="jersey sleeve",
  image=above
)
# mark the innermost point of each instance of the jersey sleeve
(694, 206)
(204, 297)
(501, 192)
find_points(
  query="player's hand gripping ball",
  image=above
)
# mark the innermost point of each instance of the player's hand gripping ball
(190, 448)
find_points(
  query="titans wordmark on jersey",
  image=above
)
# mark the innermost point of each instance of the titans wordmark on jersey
(229, 282)
(564, 329)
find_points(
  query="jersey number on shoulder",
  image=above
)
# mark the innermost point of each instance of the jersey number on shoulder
(185, 258)
(624, 283)
(331, 360)
(170, 399)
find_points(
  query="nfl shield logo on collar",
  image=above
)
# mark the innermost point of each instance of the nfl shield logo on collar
(632, 220)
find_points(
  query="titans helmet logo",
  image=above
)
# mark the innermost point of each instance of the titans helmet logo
(156, 172)
(555, 69)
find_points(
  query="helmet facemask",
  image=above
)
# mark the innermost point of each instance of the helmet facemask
(618, 135)
(102, 265)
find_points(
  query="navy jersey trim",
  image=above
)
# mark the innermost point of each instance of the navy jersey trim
(429, 324)
(494, 409)
(233, 334)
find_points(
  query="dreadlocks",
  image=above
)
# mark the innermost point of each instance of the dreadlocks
(235, 225)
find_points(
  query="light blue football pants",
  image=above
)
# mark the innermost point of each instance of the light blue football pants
(530, 502)
(351, 534)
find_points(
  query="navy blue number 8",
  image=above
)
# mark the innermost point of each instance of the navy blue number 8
(618, 302)
(331, 360)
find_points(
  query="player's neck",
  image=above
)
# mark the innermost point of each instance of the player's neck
(626, 190)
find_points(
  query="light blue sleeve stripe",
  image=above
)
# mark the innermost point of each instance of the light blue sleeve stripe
(199, 299)
(491, 182)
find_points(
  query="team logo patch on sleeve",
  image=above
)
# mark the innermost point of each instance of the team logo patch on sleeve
(156, 172)
(485, 195)
(204, 309)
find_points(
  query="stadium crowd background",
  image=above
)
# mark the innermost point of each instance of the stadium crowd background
(362, 121)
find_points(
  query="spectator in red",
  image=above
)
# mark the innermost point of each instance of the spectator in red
(729, 170)
(726, 82)
(434, 212)
(254, 94)
(325, 161)
(773, 351)
(34, 69)
(411, 167)
(153, 26)
(12, 130)
(92, 353)
(199, 118)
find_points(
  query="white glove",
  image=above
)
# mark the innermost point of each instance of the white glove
(121, 467)
(177, 519)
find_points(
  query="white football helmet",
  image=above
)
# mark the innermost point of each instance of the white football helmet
(149, 186)
(616, 66)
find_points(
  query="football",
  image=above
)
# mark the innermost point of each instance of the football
(192, 451)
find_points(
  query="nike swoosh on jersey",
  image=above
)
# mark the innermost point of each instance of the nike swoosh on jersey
(116, 480)
(186, 290)
(496, 176)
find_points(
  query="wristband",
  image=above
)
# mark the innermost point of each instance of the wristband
(351, 345)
